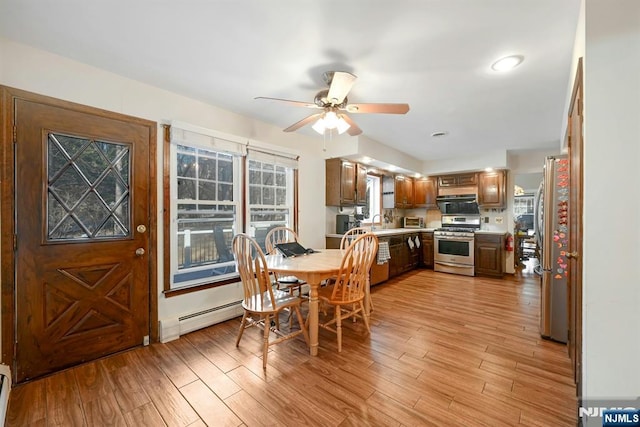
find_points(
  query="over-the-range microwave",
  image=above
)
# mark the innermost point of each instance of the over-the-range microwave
(413, 222)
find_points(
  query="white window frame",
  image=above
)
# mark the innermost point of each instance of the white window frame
(199, 139)
(375, 198)
(289, 163)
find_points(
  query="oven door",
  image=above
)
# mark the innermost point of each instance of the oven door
(454, 255)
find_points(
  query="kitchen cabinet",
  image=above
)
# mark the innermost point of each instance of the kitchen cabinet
(491, 190)
(397, 192)
(489, 254)
(461, 179)
(404, 192)
(427, 249)
(399, 255)
(346, 183)
(425, 191)
(414, 257)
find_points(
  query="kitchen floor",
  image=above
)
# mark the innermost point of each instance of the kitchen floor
(444, 350)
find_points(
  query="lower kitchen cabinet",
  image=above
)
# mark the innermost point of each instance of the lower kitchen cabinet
(427, 249)
(489, 254)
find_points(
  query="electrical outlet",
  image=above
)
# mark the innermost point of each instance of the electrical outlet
(498, 220)
(486, 220)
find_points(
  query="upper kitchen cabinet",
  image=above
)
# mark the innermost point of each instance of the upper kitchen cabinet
(457, 180)
(346, 183)
(425, 191)
(404, 192)
(492, 190)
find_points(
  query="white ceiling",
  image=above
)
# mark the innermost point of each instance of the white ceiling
(434, 55)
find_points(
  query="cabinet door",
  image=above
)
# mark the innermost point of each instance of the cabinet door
(425, 193)
(348, 184)
(361, 185)
(427, 249)
(408, 192)
(395, 262)
(400, 189)
(489, 255)
(447, 181)
(491, 190)
(466, 179)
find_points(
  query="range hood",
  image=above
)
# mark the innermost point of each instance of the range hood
(458, 204)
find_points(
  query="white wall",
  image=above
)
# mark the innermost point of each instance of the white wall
(37, 71)
(611, 258)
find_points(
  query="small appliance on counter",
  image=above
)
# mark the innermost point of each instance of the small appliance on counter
(345, 223)
(413, 222)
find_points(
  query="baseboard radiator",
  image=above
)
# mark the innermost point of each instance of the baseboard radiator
(172, 329)
(5, 389)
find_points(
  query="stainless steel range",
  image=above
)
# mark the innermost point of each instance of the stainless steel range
(454, 244)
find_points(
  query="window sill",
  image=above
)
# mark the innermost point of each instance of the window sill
(168, 293)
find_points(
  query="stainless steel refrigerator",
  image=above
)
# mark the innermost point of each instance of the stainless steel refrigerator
(551, 226)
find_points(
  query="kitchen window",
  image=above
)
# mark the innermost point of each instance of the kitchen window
(373, 205)
(216, 187)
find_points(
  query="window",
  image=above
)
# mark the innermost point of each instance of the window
(523, 205)
(373, 198)
(270, 191)
(206, 180)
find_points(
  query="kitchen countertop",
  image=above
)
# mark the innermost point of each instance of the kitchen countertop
(391, 231)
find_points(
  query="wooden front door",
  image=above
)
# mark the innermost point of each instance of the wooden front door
(82, 204)
(575, 229)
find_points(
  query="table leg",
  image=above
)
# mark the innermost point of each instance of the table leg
(313, 318)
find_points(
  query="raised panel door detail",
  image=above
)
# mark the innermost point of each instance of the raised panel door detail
(491, 190)
(425, 192)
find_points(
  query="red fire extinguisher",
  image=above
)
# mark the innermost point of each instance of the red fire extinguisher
(508, 243)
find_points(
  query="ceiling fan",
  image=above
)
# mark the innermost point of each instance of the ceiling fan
(334, 104)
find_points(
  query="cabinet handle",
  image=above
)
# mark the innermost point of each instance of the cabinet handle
(573, 255)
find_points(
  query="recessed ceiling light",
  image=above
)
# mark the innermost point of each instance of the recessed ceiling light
(392, 168)
(439, 134)
(488, 169)
(507, 63)
(366, 160)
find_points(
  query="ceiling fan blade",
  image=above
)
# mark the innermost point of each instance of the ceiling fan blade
(377, 108)
(341, 84)
(353, 127)
(305, 121)
(288, 101)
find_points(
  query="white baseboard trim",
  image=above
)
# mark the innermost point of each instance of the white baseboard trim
(172, 329)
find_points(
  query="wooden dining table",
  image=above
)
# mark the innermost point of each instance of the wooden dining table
(313, 269)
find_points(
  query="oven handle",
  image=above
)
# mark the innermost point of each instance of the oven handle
(459, 239)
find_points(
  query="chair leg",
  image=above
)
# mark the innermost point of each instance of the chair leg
(339, 327)
(302, 324)
(265, 343)
(241, 331)
(364, 316)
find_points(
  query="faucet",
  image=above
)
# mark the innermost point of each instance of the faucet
(373, 227)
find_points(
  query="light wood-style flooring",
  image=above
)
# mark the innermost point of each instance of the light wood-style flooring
(444, 350)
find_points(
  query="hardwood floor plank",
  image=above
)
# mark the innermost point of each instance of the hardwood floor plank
(104, 411)
(171, 405)
(206, 371)
(210, 408)
(250, 410)
(129, 392)
(93, 381)
(444, 350)
(64, 407)
(144, 416)
(27, 405)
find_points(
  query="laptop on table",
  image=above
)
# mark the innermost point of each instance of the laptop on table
(293, 249)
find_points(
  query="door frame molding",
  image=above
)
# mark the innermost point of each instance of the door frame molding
(8, 95)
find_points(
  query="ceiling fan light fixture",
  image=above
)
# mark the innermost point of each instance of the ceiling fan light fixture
(342, 126)
(319, 126)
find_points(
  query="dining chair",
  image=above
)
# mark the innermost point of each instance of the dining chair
(282, 235)
(260, 298)
(346, 294)
(351, 235)
(348, 238)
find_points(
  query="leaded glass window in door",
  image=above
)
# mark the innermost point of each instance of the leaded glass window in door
(88, 188)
